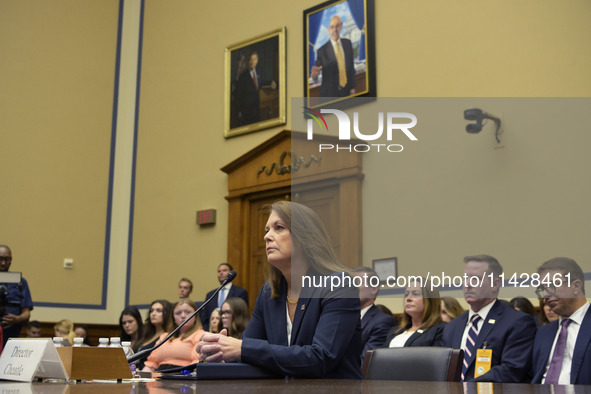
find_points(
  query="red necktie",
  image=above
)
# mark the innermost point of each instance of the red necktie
(254, 79)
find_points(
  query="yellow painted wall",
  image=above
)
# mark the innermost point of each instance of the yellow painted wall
(55, 208)
(56, 99)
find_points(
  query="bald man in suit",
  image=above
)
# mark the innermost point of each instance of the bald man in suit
(338, 78)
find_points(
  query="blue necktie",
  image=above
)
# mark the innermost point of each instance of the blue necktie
(470, 343)
(222, 297)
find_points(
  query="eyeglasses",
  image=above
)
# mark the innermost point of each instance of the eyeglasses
(544, 291)
(222, 313)
(6, 259)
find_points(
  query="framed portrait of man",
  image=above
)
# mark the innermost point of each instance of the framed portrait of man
(339, 51)
(255, 84)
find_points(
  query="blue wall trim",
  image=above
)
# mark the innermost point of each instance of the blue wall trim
(103, 304)
(134, 165)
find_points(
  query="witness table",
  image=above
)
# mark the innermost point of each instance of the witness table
(308, 386)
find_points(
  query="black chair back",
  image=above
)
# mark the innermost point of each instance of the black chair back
(414, 363)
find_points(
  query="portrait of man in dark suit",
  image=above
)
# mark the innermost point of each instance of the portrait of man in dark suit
(335, 60)
(339, 52)
(255, 84)
(248, 91)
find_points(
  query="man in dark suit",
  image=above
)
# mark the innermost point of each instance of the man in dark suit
(562, 348)
(374, 323)
(335, 59)
(490, 325)
(247, 90)
(227, 291)
(18, 306)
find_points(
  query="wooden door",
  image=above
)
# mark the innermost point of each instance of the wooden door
(257, 262)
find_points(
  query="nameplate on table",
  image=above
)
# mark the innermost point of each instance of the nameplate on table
(24, 359)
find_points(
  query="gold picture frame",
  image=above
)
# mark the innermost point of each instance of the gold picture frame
(350, 22)
(255, 98)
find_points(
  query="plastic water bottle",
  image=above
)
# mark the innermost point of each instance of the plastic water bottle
(58, 341)
(115, 342)
(78, 342)
(103, 342)
(129, 352)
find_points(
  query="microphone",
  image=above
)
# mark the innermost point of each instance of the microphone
(146, 352)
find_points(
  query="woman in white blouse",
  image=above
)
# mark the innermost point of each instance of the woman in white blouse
(421, 323)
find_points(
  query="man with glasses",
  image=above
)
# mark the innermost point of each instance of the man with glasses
(562, 349)
(15, 300)
(496, 339)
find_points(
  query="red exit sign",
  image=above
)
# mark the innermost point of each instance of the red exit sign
(206, 216)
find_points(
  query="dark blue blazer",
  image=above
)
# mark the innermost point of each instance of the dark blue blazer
(375, 326)
(421, 337)
(235, 291)
(509, 333)
(325, 336)
(580, 372)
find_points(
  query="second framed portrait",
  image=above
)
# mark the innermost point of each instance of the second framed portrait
(339, 51)
(255, 84)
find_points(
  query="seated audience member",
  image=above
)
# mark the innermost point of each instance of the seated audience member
(234, 317)
(131, 326)
(421, 323)
(297, 330)
(375, 325)
(154, 326)
(65, 329)
(490, 325)
(546, 314)
(214, 321)
(34, 329)
(562, 348)
(229, 290)
(180, 349)
(524, 305)
(81, 331)
(185, 288)
(450, 309)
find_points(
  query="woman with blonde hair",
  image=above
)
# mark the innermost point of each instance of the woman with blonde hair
(214, 321)
(298, 329)
(180, 349)
(450, 309)
(65, 329)
(421, 323)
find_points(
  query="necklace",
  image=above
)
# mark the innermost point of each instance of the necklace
(291, 301)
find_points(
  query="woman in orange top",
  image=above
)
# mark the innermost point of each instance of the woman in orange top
(180, 349)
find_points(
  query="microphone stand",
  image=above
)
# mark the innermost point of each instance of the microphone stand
(145, 353)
